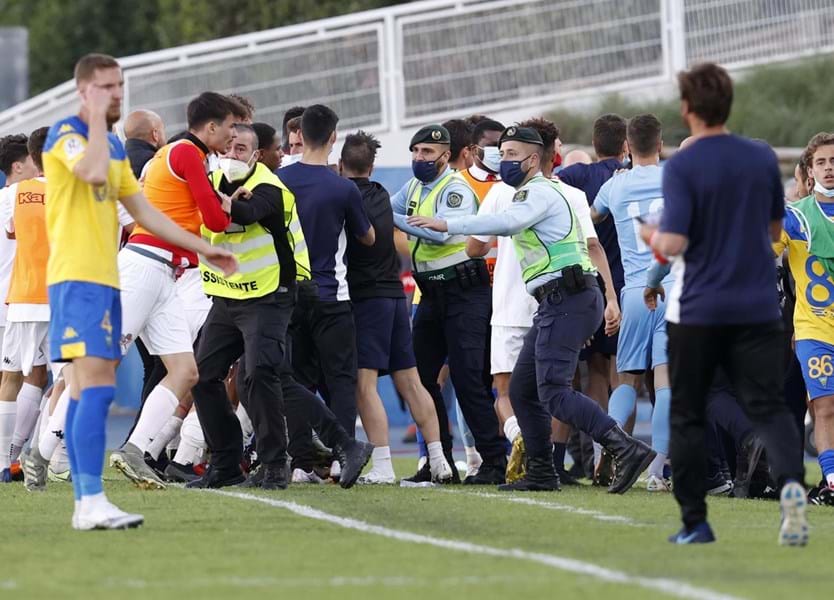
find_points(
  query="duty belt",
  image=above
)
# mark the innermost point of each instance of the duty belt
(560, 285)
(176, 270)
(468, 273)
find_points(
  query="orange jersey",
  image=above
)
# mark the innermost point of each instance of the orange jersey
(176, 184)
(482, 187)
(28, 283)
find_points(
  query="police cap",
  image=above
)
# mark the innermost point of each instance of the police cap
(431, 134)
(527, 135)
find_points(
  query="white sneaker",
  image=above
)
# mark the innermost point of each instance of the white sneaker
(58, 476)
(441, 472)
(658, 484)
(794, 529)
(104, 516)
(335, 470)
(374, 477)
(302, 476)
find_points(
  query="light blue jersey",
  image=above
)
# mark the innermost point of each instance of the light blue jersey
(625, 197)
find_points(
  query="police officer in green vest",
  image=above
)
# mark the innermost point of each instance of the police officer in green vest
(558, 273)
(452, 320)
(249, 316)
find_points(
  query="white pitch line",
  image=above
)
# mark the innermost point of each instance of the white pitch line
(672, 587)
(594, 514)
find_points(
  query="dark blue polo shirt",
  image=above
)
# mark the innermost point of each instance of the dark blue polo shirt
(589, 178)
(330, 209)
(722, 193)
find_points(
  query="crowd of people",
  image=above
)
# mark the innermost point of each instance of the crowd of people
(262, 282)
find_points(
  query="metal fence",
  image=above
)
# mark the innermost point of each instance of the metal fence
(392, 68)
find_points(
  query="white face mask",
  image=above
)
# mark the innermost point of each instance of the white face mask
(290, 159)
(234, 169)
(492, 158)
(819, 188)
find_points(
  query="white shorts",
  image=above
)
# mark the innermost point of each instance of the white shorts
(25, 345)
(197, 305)
(505, 346)
(151, 307)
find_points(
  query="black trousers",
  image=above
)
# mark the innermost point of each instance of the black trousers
(752, 357)
(324, 355)
(255, 329)
(452, 322)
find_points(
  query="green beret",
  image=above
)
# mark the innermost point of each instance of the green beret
(431, 134)
(528, 135)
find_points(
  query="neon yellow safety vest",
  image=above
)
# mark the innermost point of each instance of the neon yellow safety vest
(538, 258)
(427, 256)
(259, 271)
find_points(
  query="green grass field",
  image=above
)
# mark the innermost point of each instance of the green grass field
(326, 542)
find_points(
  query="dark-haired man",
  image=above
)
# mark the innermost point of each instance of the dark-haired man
(382, 321)
(269, 146)
(558, 272)
(460, 136)
(292, 113)
(150, 270)
(611, 148)
(330, 209)
(724, 309)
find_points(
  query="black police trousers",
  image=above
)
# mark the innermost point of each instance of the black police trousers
(255, 329)
(752, 358)
(453, 323)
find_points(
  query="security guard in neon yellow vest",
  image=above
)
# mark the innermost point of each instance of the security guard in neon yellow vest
(249, 316)
(452, 320)
(558, 272)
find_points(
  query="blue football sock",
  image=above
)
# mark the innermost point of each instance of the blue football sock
(69, 430)
(660, 420)
(89, 436)
(826, 459)
(621, 403)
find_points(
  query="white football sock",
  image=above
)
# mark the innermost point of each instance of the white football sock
(597, 453)
(28, 409)
(59, 463)
(8, 410)
(656, 467)
(174, 443)
(159, 406)
(54, 432)
(473, 458)
(511, 429)
(168, 433)
(245, 422)
(381, 457)
(435, 452)
(192, 442)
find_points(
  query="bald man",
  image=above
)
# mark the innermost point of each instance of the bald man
(576, 156)
(145, 134)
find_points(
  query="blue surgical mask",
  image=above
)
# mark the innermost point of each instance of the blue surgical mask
(492, 158)
(511, 172)
(424, 170)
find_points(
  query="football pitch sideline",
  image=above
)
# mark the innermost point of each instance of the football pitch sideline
(387, 542)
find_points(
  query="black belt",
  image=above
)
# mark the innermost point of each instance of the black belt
(560, 285)
(177, 270)
(467, 274)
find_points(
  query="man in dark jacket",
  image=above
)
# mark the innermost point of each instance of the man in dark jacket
(145, 134)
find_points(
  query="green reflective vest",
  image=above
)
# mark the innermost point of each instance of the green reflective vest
(819, 230)
(259, 271)
(538, 258)
(426, 256)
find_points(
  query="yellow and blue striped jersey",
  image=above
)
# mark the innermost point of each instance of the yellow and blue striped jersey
(81, 219)
(814, 312)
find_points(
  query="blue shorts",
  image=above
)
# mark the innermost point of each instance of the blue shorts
(86, 320)
(643, 340)
(383, 334)
(817, 361)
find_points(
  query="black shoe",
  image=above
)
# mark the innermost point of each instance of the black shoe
(565, 476)
(631, 457)
(747, 461)
(255, 478)
(177, 473)
(604, 471)
(159, 465)
(422, 475)
(539, 476)
(215, 478)
(274, 476)
(353, 459)
(491, 472)
(822, 495)
(719, 484)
